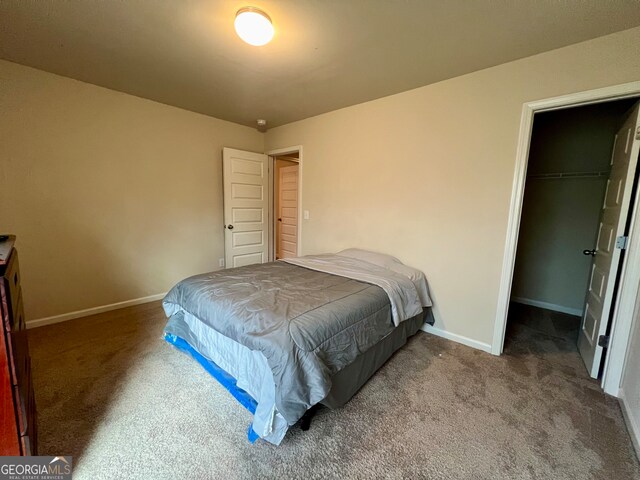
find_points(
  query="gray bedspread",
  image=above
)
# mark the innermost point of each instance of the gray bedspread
(308, 324)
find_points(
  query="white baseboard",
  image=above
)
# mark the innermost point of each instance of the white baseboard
(549, 306)
(485, 347)
(41, 322)
(633, 423)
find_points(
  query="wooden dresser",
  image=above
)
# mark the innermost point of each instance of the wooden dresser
(17, 403)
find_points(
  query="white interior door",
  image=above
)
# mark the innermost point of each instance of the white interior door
(287, 234)
(246, 207)
(613, 219)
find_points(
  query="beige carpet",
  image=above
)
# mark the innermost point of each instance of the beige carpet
(126, 405)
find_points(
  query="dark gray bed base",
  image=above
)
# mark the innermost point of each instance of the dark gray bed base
(347, 382)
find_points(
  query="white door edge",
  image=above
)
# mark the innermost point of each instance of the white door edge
(619, 337)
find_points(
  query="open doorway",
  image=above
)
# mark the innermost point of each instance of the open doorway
(581, 173)
(285, 171)
(262, 199)
(286, 175)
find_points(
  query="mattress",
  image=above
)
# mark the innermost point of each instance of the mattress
(284, 331)
(249, 369)
(251, 374)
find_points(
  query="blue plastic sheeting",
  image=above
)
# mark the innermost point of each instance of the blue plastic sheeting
(226, 380)
(252, 435)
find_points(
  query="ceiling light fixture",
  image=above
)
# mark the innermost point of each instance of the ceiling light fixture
(254, 26)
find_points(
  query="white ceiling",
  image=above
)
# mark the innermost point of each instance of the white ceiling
(326, 54)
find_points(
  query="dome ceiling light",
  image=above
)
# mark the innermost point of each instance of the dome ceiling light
(254, 26)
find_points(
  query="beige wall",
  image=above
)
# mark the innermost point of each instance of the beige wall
(426, 175)
(112, 197)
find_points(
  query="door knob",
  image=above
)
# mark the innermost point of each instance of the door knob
(230, 227)
(279, 219)
(589, 252)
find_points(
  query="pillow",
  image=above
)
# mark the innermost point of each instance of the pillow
(395, 265)
(379, 259)
(382, 260)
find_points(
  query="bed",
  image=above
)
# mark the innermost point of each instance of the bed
(285, 336)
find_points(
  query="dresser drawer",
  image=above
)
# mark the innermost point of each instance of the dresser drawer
(17, 345)
(24, 401)
(10, 291)
(5, 307)
(12, 276)
(18, 354)
(16, 321)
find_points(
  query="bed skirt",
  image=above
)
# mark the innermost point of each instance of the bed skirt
(345, 383)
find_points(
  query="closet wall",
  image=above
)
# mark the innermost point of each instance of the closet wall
(561, 213)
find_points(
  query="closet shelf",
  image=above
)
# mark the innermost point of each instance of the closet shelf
(545, 176)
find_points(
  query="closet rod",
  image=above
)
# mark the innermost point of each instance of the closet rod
(543, 176)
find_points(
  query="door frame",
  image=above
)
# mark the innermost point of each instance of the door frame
(281, 152)
(630, 273)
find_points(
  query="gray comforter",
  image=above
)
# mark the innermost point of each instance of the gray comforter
(308, 324)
